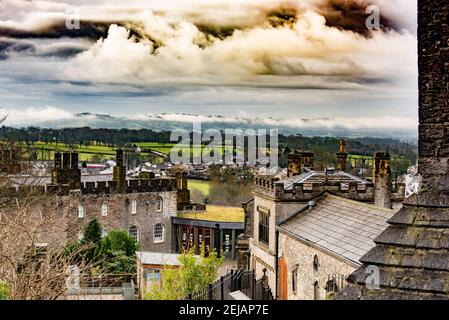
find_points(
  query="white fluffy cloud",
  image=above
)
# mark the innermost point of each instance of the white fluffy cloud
(186, 54)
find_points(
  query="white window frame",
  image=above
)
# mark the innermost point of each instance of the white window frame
(159, 204)
(134, 206)
(104, 209)
(159, 239)
(81, 211)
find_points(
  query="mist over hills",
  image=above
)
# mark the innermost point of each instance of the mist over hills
(388, 127)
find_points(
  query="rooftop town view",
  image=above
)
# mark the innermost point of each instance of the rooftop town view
(284, 150)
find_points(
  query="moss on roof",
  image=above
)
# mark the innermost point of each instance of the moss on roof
(216, 213)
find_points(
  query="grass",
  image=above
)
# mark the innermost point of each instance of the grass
(200, 185)
(87, 153)
(217, 213)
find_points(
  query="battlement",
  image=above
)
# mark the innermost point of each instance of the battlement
(273, 188)
(110, 187)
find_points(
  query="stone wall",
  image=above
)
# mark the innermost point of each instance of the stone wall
(433, 50)
(120, 215)
(299, 255)
(64, 223)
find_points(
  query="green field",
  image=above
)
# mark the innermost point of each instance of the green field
(201, 186)
(45, 150)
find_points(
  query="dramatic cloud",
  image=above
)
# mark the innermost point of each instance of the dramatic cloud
(293, 53)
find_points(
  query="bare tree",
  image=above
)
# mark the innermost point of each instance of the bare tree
(35, 260)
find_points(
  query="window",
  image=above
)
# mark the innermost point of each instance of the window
(104, 209)
(316, 292)
(104, 232)
(264, 227)
(153, 278)
(80, 235)
(159, 232)
(81, 211)
(295, 279)
(134, 232)
(159, 204)
(331, 287)
(133, 206)
(315, 263)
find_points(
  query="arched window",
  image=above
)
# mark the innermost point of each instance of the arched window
(133, 206)
(316, 292)
(104, 209)
(134, 232)
(331, 286)
(159, 231)
(159, 204)
(104, 232)
(315, 263)
(295, 279)
(80, 235)
(81, 211)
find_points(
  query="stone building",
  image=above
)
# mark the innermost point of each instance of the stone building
(276, 200)
(145, 207)
(411, 257)
(319, 246)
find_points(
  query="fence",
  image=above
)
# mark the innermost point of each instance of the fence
(106, 280)
(242, 280)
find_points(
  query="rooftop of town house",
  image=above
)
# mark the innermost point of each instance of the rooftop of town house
(341, 226)
(157, 258)
(216, 213)
(319, 177)
(44, 180)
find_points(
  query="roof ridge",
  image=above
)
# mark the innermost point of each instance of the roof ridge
(363, 204)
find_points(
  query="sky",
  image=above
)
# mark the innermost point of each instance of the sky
(296, 62)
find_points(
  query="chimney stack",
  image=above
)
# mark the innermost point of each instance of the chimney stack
(382, 180)
(342, 156)
(294, 164)
(119, 171)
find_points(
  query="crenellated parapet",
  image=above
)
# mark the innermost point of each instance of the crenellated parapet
(110, 187)
(274, 189)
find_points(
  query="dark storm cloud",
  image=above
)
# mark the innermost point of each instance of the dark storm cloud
(350, 15)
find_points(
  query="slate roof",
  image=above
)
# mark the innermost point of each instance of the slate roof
(341, 226)
(156, 258)
(412, 254)
(319, 177)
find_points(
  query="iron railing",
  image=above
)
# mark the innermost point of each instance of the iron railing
(242, 280)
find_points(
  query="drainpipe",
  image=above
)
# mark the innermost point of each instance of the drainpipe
(277, 263)
(217, 238)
